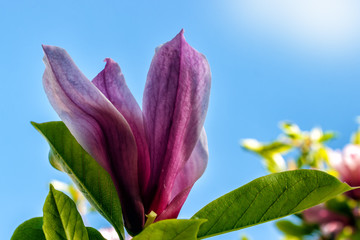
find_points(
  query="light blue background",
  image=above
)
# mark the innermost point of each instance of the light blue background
(270, 61)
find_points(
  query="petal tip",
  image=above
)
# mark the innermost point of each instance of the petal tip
(51, 51)
(47, 47)
(180, 35)
(109, 61)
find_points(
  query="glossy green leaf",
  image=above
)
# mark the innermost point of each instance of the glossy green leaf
(61, 218)
(172, 229)
(29, 230)
(94, 234)
(95, 183)
(267, 198)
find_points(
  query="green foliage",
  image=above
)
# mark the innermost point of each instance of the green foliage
(172, 229)
(264, 199)
(95, 183)
(271, 153)
(61, 218)
(310, 147)
(94, 234)
(309, 150)
(30, 230)
(294, 230)
(61, 221)
(268, 198)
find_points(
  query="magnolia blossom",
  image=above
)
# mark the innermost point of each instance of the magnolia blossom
(330, 223)
(347, 163)
(153, 155)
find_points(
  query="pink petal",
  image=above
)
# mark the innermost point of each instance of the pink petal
(186, 178)
(111, 83)
(173, 209)
(321, 215)
(175, 103)
(351, 159)
(96, 124)
(332, 228)
(348, 166)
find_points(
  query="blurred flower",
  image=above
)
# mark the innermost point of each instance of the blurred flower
(347, 163)
(153, 155)
(330, 223)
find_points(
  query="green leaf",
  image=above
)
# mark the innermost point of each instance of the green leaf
(327, 136)
(95, 183)
(275, 147)
(289, 228)
(267, 198)
(30, 230)
(172, 229)
(272, 159)
(265, 149)
(94, 234)
(61, 218)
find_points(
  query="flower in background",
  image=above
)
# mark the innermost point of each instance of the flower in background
(347, 163)
(153, 155)
(330, 223)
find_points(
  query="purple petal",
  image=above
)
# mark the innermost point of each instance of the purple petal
(186, 178)
(175, 103)
(111, 83)
(96, 124)
(194, 167)
(173, 209)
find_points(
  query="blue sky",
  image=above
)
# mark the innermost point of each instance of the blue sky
(270, 61)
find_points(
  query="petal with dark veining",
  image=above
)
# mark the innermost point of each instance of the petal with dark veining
(175, 103)
(186, 178)
(111, 83)
(96, 124)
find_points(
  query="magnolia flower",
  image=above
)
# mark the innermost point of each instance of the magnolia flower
(153, 155)
(330, 223)
(347, 164)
